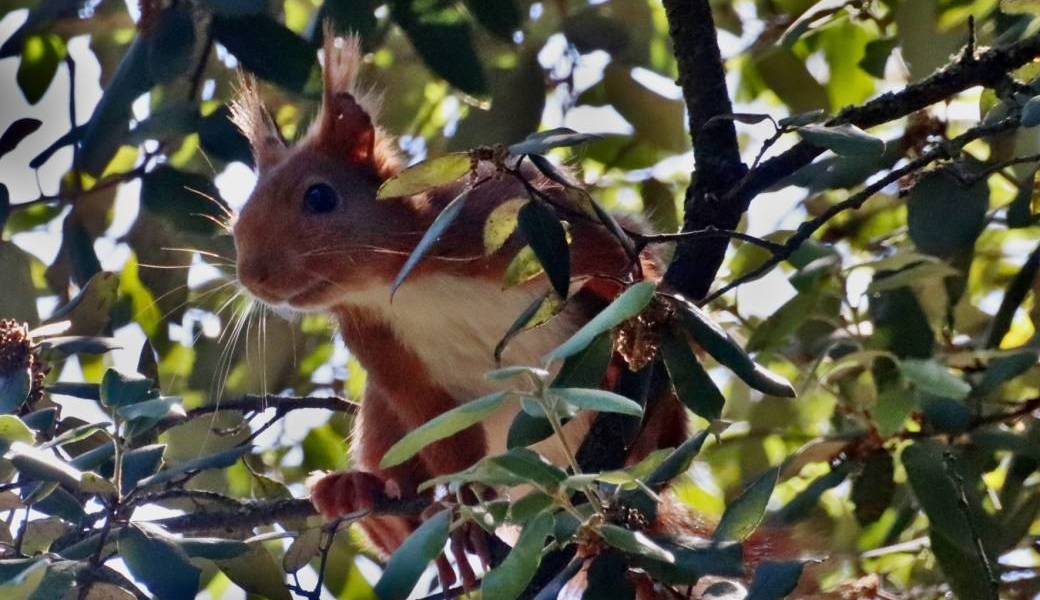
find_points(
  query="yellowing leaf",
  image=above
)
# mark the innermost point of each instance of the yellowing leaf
(500, 224)
(426, 175)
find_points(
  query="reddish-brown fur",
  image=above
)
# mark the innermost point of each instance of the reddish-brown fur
(289, 256)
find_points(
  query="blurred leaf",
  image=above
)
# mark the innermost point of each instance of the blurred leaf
(875, 56)
(13, 135)
(530, 467)
(587, 367)
(426, 175)
(800, 507)
(542, 141)
(302, 549)
(721, 559)
(607, 578)
(266, 48)
(500, 17)
(600, 400)
(410, 559)
(110, 121)
(846, 140)
(517, 102)
(444, 220)
(70, 345)
(789, 79)
(628, 304)
(14, 389)
(257, 572)
(444, 425)
(12, 429)
(545, 234)
(509, 580)
(816, 13)
(218, 460)
(89, 310)
(118, 389)
(537, 313)
(635, 543)
(723, 348)
(443, 39)
(188, 201)
(526, 430)
(965, 573)
(19, 298)
(775, 580)
(934, 378)
(873, 487)
(916, 274)
(171, 44)
(40, 57)
(158, 563)
(659, 206)
(212, 548)
(746, 511)
(42, 466)
(656, 118)
(934, 226)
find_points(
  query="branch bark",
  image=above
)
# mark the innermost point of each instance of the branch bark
(718, 167)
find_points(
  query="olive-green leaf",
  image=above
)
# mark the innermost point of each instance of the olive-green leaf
(425, 176)
(159, 563)
(118, 389)
(692, 384)
(436, 230)
(171, 44)
(217, 460)
(442, 426)
(846, 140)
(728, 352)
(634, 542)
(599, 400)
(510, 579)
(14, 389)
(529, 466)
(39, 62)
(410, 559)
(546, 236)
(931, 377)
(12, 429)
(743, 515)
(628, 304)
(944, 217)
(543, 141)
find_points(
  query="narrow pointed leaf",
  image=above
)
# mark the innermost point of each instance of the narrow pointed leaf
(543, 141)
(599, 400)
(158, 563)
(744, 514)
(409, 561)
(634, 542)
(436, 230)
(425, 176)
(692, 384)
(510, 579)
(628, 304)
(548, 239)
(442, 426)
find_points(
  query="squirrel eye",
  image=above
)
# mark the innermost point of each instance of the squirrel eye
(320, 198)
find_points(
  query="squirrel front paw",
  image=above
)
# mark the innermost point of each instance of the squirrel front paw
(338, 494)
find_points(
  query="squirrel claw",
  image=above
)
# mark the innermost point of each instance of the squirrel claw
(339, 494)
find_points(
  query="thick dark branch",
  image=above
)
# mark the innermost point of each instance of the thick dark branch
(255, 403)
(247, 515)
(702, 78)
(989, 69)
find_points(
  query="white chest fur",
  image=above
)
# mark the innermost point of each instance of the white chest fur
(453, 325)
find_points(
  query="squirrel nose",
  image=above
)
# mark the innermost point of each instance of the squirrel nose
(254, 273)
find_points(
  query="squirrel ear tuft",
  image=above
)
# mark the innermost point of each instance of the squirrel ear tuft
(249, 113)
(345, 127)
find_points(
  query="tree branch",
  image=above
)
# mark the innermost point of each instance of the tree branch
(989, 68)
(255, 403)
(702, 78)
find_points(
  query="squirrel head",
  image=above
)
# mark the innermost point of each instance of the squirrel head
(312, 229)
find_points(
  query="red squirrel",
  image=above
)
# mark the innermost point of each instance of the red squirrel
(313, 238)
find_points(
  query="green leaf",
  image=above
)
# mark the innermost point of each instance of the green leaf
(305, 547)
(545, 234)
(530, 467)
(812, 16)
(14, 389)
(743, 515)
(628, 304)
(543, 141)
(426, 175)
(635, 543)
(1031, 112)
(523, 267)
(544, 308)
(500, 17)
(656, 118)
(500, 224)
(678, 461)
(14, 570)
(40, 57)
(608, 578)
(846, 140)
(12, 429)
(722, 559)
(212, 548)
(943, 216)
(266, 48)
(692, 384)
(159, 563)
(728, 352)
(964, 571)
(526, 430)
(914, 275)
(410, 559)
(13, 135)
(442, 426)
(800, 507)
(529, 506)
(140, 463)
(38, 465)
(171, 44)
(436, 230)
(587, 368)
(110, 121)
(783, 323)
(217, 460)
(599, 400)
(70, 345)
(121, 390)
(509, 580)
(931, 377)
(155, 409)
(775, 580)
(876, 54)
(442, 37)
(873, 487)
(188, 201)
